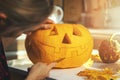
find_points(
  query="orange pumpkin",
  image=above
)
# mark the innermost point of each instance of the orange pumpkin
(107, 52)
(70, 41)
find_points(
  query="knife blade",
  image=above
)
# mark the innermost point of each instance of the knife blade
(58, 60)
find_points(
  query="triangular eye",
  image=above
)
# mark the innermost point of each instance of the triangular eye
(76, 32)
(66, 39)
(54, 31)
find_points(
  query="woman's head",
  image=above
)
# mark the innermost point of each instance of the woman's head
(23, 14)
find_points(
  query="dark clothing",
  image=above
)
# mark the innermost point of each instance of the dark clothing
(3, 64)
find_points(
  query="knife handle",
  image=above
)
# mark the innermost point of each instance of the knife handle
(48, 78)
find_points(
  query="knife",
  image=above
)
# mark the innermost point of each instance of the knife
(58, 60)
(49, 78)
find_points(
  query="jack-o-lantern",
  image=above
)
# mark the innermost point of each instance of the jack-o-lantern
(70, 41)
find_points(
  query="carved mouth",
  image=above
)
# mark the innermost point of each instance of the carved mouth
(67, 52)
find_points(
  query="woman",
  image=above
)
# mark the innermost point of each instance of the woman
(23, 16)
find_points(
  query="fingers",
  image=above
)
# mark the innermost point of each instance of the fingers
(45, 26)
(39, 71)
(40, 64)
(51, 65)
(48, 21)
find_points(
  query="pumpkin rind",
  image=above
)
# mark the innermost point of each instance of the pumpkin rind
(70, 41)
(107, 52)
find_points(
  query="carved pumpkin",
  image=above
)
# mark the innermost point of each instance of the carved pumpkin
(70, 41)
(107, 52)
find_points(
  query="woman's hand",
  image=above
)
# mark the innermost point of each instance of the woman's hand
(39, 71)
(45, 24)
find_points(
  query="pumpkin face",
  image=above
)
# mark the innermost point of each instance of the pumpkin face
(70, 41)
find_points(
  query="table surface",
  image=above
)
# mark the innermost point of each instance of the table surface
(64, 74)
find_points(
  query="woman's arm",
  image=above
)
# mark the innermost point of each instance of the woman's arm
(39, 71)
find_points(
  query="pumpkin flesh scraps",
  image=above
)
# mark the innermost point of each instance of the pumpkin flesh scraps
(105, 74)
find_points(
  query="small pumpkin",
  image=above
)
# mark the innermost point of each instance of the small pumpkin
(107, 52)
(70, 41)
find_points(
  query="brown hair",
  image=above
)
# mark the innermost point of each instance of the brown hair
(24, 13)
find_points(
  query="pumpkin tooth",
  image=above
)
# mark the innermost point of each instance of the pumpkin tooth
(74, 53)
(57, 50)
